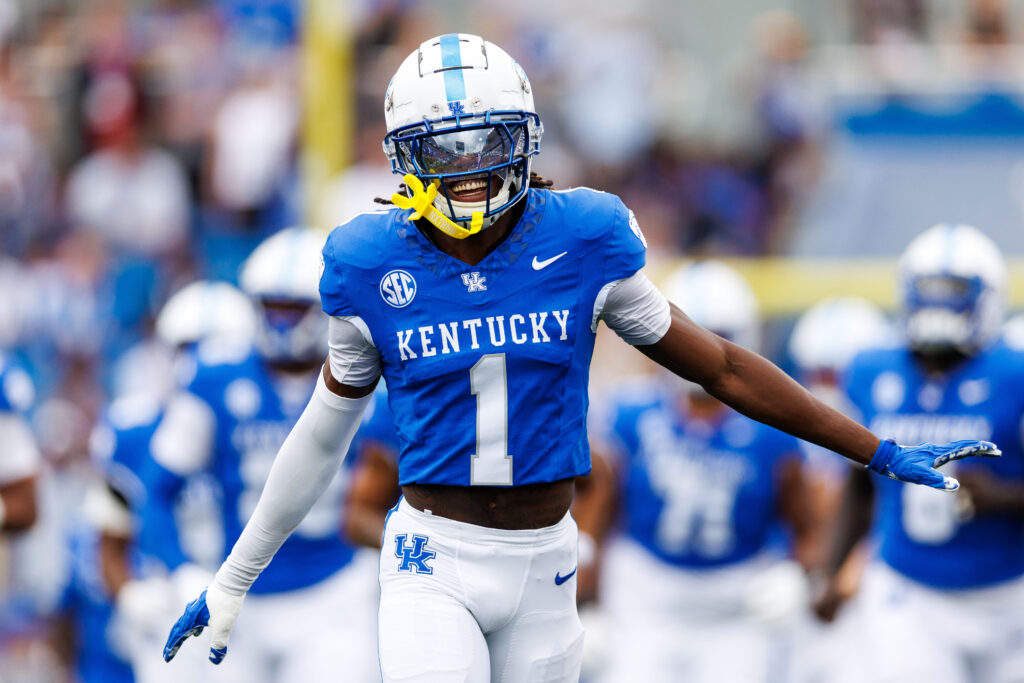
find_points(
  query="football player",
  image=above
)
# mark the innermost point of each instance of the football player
(311, 616)
(945, 598)
(825, 338)
(140, 561)
(699, 572)
(477, 297)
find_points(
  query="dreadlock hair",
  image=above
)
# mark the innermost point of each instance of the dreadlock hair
(537, 182)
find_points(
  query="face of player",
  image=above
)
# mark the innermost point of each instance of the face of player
(466, 151)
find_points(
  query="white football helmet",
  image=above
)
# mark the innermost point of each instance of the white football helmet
(460, 110)
(716, 297)
(205, 309)
(831, 332)
(952, 284)
(282, 278)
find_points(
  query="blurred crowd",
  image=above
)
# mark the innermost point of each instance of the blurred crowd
(145, 145)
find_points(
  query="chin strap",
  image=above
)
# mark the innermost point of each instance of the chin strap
(422, 204)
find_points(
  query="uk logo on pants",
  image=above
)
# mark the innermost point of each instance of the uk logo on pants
(414, 557)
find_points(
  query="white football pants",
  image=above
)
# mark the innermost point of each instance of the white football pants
(667, 624)
(460, 602)
(919, 633)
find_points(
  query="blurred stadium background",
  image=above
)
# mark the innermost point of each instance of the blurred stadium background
(145, 144)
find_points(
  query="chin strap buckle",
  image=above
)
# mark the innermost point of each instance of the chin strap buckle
(422, 204)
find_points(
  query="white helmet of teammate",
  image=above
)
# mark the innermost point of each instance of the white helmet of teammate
(716, 297)
(206, 309)
(460, 110)
(952, 284)
(282, 278)
(830, 333)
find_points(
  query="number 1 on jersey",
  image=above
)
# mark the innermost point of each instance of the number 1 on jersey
(491, 465)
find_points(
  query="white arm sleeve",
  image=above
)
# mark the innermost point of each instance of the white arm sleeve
(354, 358)
(305, 465)
(634, 308)
(183, 443)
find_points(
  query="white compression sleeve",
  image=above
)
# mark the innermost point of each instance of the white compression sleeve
(634, 308)
(307, 462)
(355, 360)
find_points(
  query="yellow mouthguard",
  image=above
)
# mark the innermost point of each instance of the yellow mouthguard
(422, 204)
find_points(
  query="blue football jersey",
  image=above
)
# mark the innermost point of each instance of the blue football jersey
(99, 642)
(253, 417)
(921, 533)
(120, 445)
(694, 493)
(487, 365)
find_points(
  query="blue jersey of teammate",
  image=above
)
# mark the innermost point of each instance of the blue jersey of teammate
(254, 411)
(121, 447)
(486, 365)
(921, 533)
(86, 602)
(694, 493)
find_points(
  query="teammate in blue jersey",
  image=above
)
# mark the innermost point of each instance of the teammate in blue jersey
(477, 299)
(312, 612)
(141, 561)
(825, 339)
(100, 639)
(699, 569)
(945, 601)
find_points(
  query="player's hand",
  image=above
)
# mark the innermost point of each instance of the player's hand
(145, 604)
(916, 464)
(213, 608)
(776, 597)
(828, 599)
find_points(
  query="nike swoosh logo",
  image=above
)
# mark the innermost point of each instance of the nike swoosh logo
(559, 579)
(540, 265)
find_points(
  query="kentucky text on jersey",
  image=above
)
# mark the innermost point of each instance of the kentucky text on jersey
(486, 365)
(495, 330)
(911, 429)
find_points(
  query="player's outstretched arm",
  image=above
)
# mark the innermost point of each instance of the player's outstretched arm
(755, 387)
(302, 470)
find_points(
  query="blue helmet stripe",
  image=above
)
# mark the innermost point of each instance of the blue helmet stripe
(451, 55)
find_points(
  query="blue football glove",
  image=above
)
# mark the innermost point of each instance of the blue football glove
(213, 608)
(916, 464)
